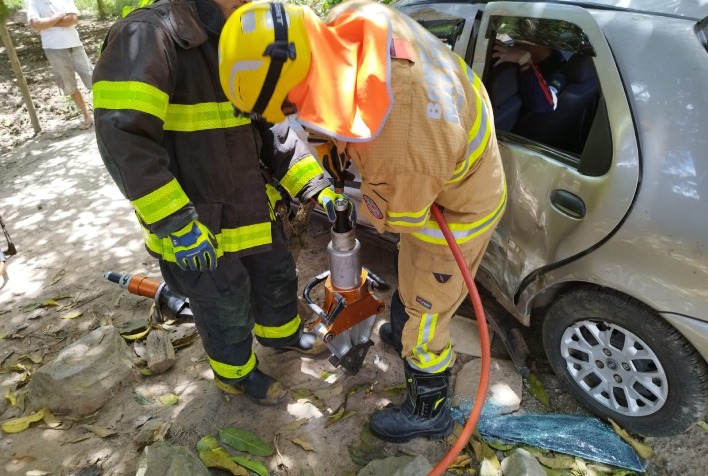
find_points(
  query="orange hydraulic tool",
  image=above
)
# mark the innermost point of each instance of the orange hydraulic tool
(152, 288)
(347, 318)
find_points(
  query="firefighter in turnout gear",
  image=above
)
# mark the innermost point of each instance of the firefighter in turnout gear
(204, 183)
(417, 124)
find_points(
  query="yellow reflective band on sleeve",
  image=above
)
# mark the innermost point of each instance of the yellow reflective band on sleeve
(233, 371)
(462, 232)
(300, 173)
(130, 95)
(479, 134)
(230, 240)
(411, 219)
(161, 203)
(424, 360)
(176, 117)
(286, 330)
(202, 116)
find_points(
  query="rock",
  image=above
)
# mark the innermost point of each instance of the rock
(160, 352)
(465, 336)
(521, 463)
(505, 385)
(397, 466)
(163, 459)
(84, 376)
(150, 432)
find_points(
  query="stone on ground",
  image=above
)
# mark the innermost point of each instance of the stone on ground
(163, 459)
(465, 336)
(84, 376)
(521, 463)
(397, 466)
(160, 352)
(505, 385)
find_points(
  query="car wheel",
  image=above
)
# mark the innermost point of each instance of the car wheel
(623, 361)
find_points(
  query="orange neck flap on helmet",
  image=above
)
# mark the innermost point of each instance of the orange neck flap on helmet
(346, 94)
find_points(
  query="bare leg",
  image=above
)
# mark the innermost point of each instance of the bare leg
(79, 100)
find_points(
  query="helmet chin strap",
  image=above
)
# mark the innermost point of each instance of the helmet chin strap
(279, 51)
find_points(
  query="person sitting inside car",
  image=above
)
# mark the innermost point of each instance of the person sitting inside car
(541, 77)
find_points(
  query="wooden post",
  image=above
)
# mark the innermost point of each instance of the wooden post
(15, 62)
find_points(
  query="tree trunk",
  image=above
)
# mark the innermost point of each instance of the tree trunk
(15, 62)
(101, 10)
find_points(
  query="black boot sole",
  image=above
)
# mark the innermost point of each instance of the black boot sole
(437, 435)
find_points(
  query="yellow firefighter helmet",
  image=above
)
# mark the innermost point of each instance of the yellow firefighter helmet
(263, 54)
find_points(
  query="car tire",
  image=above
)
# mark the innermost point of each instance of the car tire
(621, 360)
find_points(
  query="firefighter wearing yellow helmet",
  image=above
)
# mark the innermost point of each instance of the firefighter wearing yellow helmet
(205, 185)
(417, 123)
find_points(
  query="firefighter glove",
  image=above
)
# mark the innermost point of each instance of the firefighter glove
(195, 247)
(334, 163)
(327, 197)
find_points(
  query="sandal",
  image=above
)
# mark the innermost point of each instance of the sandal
(85, 123)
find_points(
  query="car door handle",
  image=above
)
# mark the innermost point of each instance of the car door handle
(568, 203)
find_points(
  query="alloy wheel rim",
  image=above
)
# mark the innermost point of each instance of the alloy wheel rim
(614, 367)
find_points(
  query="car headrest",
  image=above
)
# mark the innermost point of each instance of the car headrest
(579, 69)
(503, 84)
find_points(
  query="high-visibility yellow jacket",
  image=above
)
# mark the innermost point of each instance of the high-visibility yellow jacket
(418, 125)
(169, 137)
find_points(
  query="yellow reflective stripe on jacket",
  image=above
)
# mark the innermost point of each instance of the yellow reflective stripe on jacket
(300, 173)
(233, 371)
(462, 232)
(230, 240)
(479, 134)
(176, 117)
(233, 240)
(286, 330)
(412, 219)
(130, 95)
(274, 197)
(425, 360)
(161, 203)
(202, 116)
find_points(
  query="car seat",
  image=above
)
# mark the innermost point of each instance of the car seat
(567, 127)
(504, 95)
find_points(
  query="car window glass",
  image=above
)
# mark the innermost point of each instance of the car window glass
(547, 100)
(702, 32)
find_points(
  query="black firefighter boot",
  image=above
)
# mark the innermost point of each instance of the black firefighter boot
(259, 387)
(391, 332)
(424, 413)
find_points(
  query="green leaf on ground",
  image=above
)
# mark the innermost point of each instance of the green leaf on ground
(536, 389)
(207, 442)
(251, 464)
(219, 458)
(244, 440)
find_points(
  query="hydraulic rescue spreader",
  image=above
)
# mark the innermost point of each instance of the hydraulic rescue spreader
(349, 312)
(347, 318)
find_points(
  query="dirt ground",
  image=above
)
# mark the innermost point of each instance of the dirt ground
(70, 225)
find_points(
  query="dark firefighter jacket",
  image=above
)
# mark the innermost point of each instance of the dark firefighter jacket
(171, 142)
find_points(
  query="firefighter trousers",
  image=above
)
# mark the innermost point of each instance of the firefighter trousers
(254, 294)
(431, 288)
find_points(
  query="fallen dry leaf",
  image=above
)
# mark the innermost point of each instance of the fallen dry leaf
(306, 445)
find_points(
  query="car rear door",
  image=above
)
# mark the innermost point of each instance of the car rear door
(561, 205)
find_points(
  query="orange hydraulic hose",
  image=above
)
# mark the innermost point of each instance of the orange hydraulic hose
(464, 437)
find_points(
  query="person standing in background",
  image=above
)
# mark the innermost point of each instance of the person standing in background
(56, 22)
